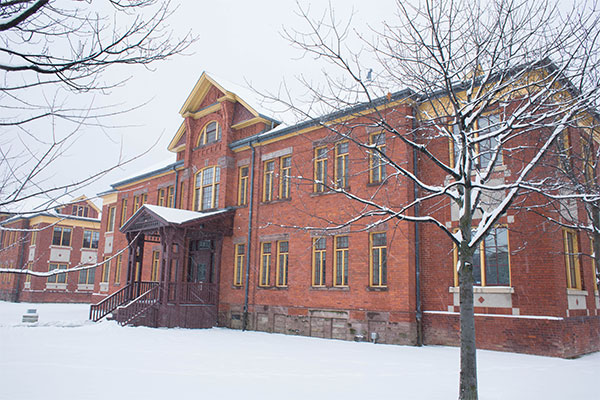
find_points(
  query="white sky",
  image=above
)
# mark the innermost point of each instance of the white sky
(239, 41)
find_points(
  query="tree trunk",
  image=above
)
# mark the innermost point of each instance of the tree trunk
(468, 356)
(596, 244)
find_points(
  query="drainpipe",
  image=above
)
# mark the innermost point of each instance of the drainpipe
(249, 240)
(419, 312)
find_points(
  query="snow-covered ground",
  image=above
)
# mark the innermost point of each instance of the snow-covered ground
(65, 356)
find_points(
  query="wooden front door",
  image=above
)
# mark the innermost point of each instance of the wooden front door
(200, 261)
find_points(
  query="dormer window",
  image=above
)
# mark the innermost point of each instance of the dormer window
(211, 133)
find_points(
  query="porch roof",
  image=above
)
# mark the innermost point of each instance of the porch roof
(150, 216)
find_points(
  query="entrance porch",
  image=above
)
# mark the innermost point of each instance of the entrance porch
(185, 289)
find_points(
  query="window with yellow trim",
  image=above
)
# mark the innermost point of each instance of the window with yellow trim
(243, 185)
(117, 279)
(90, 239)
(30, 268)
(484, 149)
(57, 278)
(378, 259)
(491, 260)
(572, 259)
(238, 270)
(282, 263)
(110, 225)
(320, 169)
(61, 236)
(161, 197)
(171, 196)
(341, 261)
(268, 180)
(33, 238)
(285, 179)
(319, 261)
(181, 202)
(123, 211)
(211, 133)
(206, 193)
(341, 164)
(376, 160)
(105, 270)
(265, 264)
(155, 266)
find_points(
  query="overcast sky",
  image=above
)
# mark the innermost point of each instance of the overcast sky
(237, 40)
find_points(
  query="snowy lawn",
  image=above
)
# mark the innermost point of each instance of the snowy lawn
(65, 356)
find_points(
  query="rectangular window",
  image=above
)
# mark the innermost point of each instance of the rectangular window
(33, 236)
(341, 261)
(285, 177)
(86, 276)
(123, 211)
(155, 266)
(486, 125)
(90, 239)
(572, 259)
(341, 165)
(265, 264)
(319, 262)
(118, 270)
(376, 160)
(136, 203)
(105, 270)
(110, 226)
(243, 186)
(207, 188)
(320, 169)
(378, 260)
(161, 197)
(181, 206)
(282, 263)
(491, 261)
(240, 252)
(80, 211)
(58, 278)
(269, 171)
(171, 196)
(61, 236)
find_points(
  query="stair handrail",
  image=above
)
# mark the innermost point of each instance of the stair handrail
(137, 306)
(110, 303)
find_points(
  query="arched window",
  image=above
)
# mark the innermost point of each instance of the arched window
(206, 192)
(211, 133)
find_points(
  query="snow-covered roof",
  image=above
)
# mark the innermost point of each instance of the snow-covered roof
(154, 169)
(177, 216)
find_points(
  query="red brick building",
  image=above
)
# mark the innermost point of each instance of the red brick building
(59, 238)
(239, 232)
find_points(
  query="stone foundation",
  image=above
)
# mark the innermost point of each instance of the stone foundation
(329, 324)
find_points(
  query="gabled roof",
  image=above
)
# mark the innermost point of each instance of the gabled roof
(150, 217)
(231, 92)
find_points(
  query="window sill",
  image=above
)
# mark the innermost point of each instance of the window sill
(54, 246)
(275, 201)
(85, 287)
(203, 146)
(377, 288)
(57, 286)
(376, 184)
(332, 288)
(577, 292)
(486, 289)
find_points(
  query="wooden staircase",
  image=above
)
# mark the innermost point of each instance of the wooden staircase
(131, 301)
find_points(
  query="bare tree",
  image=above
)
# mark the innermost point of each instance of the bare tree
(52, 56)
(495, 84)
